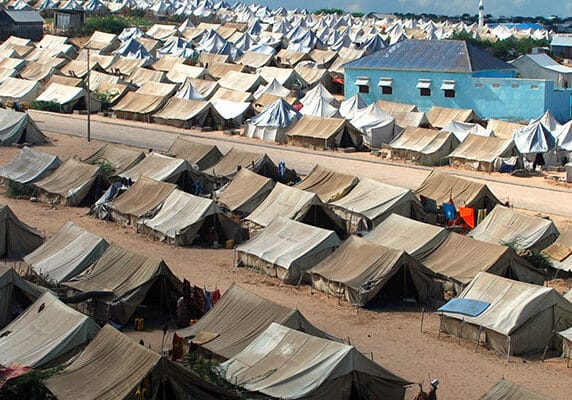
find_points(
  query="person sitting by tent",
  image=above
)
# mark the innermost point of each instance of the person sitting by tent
(538, 160)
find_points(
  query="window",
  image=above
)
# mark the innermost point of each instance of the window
(363, 89)
(515, 85)
(424, 86)
(478, 85)
(425, 91)
(386, 85)
(449, 93)
(534, 87)
(386, 90)
(448, 88)
(363, 84)
(495, 85)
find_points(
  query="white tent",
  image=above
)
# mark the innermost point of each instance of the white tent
(377, 126)
(272, 122)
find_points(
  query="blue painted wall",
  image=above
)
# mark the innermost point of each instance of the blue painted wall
(492, 94)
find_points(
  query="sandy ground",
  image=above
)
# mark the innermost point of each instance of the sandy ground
(391, 337)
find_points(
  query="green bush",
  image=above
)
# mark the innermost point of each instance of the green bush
(107, 23)
(28, 386)
(52, 106)
(507, 49)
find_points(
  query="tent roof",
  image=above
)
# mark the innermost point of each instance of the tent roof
(329, 185)
(18, 127)
(391, 107)
(29, 166)
(534, 138)
(139, 103)
(47, 332)
(201, 154)
(504, 390)
(239, 317)
(18, 88)
(278, 114)
(317, 127)
(504, 225)
(287, 364)
(503, 129)
(70, 176)
(61, 94)
(246, 191)
(440, 116)
(157, 166)
(120, 158)
(421, 140)
(9, 282)
(227, 165)
(482, 148)
(240, 81)
(182, 109)
(143, 197)
(413, 237)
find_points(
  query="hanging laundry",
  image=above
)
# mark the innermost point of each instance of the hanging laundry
(467, 214)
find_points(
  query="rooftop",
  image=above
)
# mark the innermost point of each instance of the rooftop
(24, 16)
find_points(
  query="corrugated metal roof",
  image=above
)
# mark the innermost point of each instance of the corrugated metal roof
(545, 61)
(562, 40)
(431, 55)
(23, 16)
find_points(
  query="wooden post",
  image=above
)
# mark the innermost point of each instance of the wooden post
(422, 319)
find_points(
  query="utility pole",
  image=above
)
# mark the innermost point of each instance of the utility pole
(88, 99)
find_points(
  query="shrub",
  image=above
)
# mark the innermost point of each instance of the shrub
(52, 106)
(107, 23)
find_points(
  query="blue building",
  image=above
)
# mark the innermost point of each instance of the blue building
(452, 73)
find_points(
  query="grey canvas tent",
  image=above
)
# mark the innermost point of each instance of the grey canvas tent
(113, 367)
(72, 184)
(46, 334)
(505, 390)
(245, 192)
(238, 318)
(370, 202)
(442, 187)
(518, 318)
(16, 293)
(161, 168)
(461, 258)
(362, 272)
(200, 154)
(18, 127)
(69, 252)
(283, 363)
(143, 199)
(128, 280)
(329, 185)
(480, 152)
(29, 166)
(506, 226)
(117, 157)
(185, 219)
(16, 238)
(415, 238)
(286, 249)
(424, 146)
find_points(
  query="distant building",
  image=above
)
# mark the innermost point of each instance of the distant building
(542, 66)
(22, 23)
(561, 46)
(452, 73)
(68, 21)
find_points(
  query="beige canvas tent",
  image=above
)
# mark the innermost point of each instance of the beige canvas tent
(35, 71)
(161, 168)
(69, 252)
(299, 205)
(113, 367)
(370, 202)
(424, 146)
(185, 219)
(392, 107)
(128, 280)
(559, 252)
(439, 117)
(286, 249)
(442, 187)
(167, 62)
(329, 185)
(179, 73)
(103, 42)
(238, 318)
(521, 231)
(19, 89)
(69, 98)
(143, 199)
(29, 166)
(566, 336)
(117, 157)
(185, 114)
(16, 238)
(504, 390)
(461, 258)
(503, 129)
(245, 192)
(363, 272)
(200, 154)
(46, 334)
(16, 293)
(414, 237)
(323, 133)
(286, 364)
(518, 318)
(139, 76)
(480, 152)
(139, 107)
(241, 82)
(72, 184)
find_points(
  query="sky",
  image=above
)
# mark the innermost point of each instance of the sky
(497, 8)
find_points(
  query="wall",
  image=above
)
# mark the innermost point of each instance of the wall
(528, 69)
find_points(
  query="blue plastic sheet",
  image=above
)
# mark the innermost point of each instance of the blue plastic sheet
(468, 307)
(449, 211)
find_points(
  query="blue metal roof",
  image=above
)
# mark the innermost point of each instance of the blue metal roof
(25, 16)
(431, 55)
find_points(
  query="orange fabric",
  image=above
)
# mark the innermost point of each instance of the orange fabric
(468, 215)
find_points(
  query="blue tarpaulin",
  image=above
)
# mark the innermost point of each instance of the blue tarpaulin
(449, 210)
(468, 307)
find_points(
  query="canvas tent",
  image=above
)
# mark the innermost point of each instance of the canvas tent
(299, 205)
(439, 117)
(68, 97)
(72, 184)
(329, 185)
(481, 153)
(271, 124)
(18, 127)
(113, 366)
(128, 280)
(16, 238)
(69, 252)
(286, 249)
(415, 238)
(534, 138)
(363, 272)
(245, 192)
(441, 187)
(185, 219)
(506, 226)
(377, 126)
(504, 390)
(29, 166)
(142, 199)
(425, 146)
(16, 293)
(518, 318)
(19, 89)
(323, 133)
(238, 318)
(461, 258)
(370, 202)
(313, 368)
(161, 168)
(117, 157)
(559, 252)
(138, 106)
(200, 154)
(46, 334)
(503, 129)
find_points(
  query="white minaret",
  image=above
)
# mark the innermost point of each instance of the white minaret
(481, 14)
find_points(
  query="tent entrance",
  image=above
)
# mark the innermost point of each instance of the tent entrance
(160, 302)
(316, 216)
(398, 290)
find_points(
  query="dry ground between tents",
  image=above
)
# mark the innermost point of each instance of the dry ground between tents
(392, 337)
